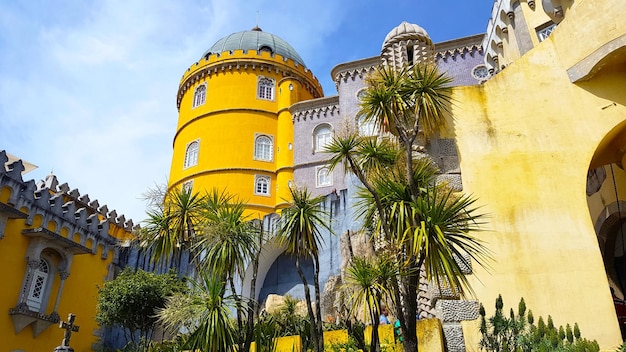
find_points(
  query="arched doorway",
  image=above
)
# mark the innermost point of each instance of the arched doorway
(606, 198)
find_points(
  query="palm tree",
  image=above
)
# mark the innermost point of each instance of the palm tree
(171, 225)
(422, 222)
(299, 230)
(204, 311)
(226, 243)
(415, 99)
(434, 231)
(370, 280)
(214, 229)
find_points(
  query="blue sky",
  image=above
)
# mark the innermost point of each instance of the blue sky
(88, 88)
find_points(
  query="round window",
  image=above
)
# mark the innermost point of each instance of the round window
(480, 72)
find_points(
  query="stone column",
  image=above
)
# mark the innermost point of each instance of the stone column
(33, 264)
(63, 275)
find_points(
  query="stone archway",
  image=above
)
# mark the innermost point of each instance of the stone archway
(276, 274)
(606, 198)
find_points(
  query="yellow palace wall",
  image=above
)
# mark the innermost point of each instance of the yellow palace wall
(526, 138)
(79, 293)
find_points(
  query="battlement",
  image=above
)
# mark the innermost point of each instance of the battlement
(236, 60)
(459, 47)
(62, 205)
(316, 108)
(249, 54)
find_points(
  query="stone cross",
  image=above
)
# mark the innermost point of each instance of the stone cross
(69, 327)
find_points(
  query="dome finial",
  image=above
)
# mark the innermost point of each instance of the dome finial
(256, 27)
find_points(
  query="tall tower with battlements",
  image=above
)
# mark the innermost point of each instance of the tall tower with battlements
(234, 130)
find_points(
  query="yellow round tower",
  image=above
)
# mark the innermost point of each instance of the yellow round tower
(234, 129)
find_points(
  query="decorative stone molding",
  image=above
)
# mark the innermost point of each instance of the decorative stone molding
(553, 9)
(586, 68)
(215, 64)
(450, 311)
(354, 69)
(22, 317)
(407, 43)
(453, 337)
(318, 108)
(503, 14)
(460, 51)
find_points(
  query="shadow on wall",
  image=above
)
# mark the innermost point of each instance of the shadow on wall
(283, 278)
(608, 77)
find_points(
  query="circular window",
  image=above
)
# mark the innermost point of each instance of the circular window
(480, 72)
(360, 94)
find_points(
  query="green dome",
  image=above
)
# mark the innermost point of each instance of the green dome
(255, 39)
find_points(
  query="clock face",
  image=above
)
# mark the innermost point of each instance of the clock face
(480, 72)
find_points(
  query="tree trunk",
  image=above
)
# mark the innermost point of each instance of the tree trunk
(375, 343)
(240, 340)
(318, 308)
(307, 296)
(410, 309)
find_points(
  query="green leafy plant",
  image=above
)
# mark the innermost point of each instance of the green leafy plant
(348, 346)
(131, 300)
(288, 322)
(518, 333)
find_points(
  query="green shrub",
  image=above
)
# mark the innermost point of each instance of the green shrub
(518, 333)
(348, 346)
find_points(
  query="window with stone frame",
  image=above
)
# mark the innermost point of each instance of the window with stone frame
(199, 95)
(191, 154)
(188, 186)
(544, 31)
(39, 286)
(262, 185)
(322, 136)
(263, 148)
(265, 88)
(366, 127)
(324, 177)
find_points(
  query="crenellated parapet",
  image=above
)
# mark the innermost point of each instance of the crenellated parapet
(456, 48)
(83, 220)
(513, 29)
(246, 60)
(354, 70)
(317, 108)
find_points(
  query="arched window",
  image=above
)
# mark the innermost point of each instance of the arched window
(199, 95)
(324, 177)
(322, 136)
(367, 128)
(262, 185)
(265, 89)
(188, 186)
(38, 286)
(191, 154)
(263, 148)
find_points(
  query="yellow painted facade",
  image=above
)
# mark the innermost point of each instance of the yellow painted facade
(528, 137)
(233, 115)
(75, 237)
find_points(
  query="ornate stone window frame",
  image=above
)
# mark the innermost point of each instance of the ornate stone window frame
(263, 147)
(192, 152)
(199, 95)
(265, 88)
(262, 185)
(322, 136)
(44, 244)
(323, 176)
